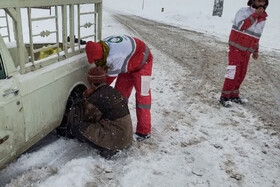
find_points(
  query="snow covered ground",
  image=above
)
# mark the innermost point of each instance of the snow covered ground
(193, 143)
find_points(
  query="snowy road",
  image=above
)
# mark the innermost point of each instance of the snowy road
(206, 59)
(195, 142)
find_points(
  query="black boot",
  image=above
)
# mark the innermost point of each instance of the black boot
(107, 153)
(141, 137)
(237, 100)
(226, 102)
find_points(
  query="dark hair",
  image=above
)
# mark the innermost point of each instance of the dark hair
(249, 3)
(252, 3)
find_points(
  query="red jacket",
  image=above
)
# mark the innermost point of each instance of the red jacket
(247, 29)
(127, 54)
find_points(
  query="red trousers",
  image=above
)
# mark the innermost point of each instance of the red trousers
(236, 71)
(140, 80)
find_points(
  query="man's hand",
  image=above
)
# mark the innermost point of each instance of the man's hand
(259, 11)
(255, 55)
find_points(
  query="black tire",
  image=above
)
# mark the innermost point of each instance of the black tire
(73, 113)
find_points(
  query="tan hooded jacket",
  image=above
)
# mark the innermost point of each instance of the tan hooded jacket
(108, 119)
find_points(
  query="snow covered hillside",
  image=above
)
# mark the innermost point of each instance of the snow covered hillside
(197, 15)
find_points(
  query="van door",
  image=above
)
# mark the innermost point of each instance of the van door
(11, 116)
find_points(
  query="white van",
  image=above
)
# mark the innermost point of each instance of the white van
(43, 67)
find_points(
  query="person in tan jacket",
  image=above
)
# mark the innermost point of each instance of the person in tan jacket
(106, 123)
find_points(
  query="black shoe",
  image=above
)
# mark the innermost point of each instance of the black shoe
(237, 100)
(141, 137)
(107, 153)
(226, 102)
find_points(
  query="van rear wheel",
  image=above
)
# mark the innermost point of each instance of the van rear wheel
(73, 113)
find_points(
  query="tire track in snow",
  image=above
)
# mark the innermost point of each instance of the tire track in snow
(173, 42)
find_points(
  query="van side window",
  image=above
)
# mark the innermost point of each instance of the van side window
(2, 71)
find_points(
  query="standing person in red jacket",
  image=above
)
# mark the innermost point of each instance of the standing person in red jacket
(244, 39)
(130, 61)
